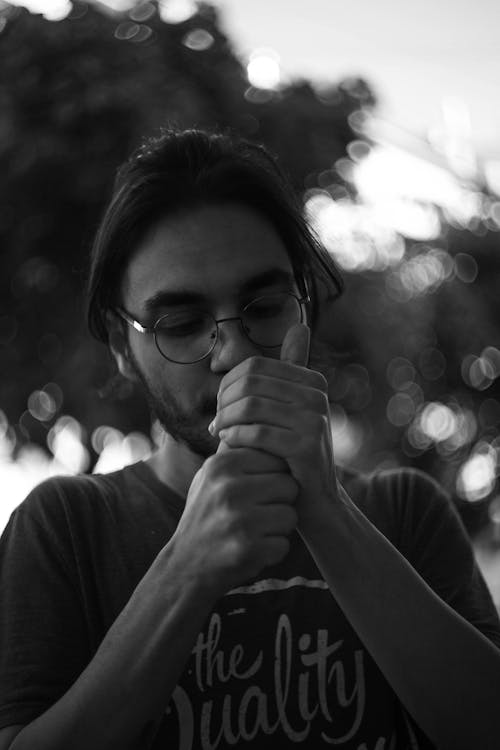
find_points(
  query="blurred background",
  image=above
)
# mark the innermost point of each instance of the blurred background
(387, 122)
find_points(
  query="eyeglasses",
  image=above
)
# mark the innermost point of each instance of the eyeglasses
(189, 335)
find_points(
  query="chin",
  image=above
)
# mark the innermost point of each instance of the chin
(204, 447)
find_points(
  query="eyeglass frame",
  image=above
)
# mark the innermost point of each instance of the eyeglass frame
(304, 300)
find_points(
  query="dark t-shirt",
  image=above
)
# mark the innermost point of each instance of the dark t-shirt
(276, 662)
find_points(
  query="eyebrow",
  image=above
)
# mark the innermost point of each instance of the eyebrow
(189, 296)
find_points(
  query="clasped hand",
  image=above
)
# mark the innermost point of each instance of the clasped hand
(272, 473)
(281, 407)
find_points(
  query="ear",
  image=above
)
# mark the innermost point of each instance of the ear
(119, 345)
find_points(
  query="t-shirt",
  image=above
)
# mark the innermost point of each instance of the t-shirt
(276, 664)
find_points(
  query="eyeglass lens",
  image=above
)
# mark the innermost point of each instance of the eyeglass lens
(189, 335)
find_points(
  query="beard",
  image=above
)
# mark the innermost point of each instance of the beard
(184, 426)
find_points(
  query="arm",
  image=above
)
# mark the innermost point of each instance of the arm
(128, 682)
(237, 516)
(441, 667)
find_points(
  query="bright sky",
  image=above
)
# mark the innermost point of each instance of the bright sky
(414, 54)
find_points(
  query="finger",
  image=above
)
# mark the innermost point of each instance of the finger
(276, 368)
(275, 440)
(273, 388)
(252, 460)
(295, 347)
(273, 549)
(276, 519)
(279, 489)
(251, 410)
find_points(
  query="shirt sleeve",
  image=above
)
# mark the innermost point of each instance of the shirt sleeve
(43, 639)
(432, 537)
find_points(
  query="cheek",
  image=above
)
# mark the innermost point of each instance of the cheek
(183, 384)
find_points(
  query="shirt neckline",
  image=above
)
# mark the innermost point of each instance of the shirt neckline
(147, 476)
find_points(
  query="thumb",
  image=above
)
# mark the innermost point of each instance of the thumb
(295, 346)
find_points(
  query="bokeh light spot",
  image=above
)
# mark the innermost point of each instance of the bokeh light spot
(400, 409)
(117, 451)
(358, 150)
(465, 268)
(431, 363)
(198, 40)
(65, 440)
(263, 69)
(127, 30)
(437, 421)
(476, 477)
(347, 436)
(491, 355)
(4, 425)
(478, 372)
(37, 274)
(142, 12)
(57, 10)
(400, 373)
(351, 234)
(41, 406)
(177, 11)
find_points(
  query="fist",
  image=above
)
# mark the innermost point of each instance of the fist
(238, 516)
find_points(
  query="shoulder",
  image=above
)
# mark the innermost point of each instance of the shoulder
(401, 502)
(395, 489)
(54, 502)
(54, 493)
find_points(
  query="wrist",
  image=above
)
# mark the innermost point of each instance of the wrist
(192, 575)
(333, 514)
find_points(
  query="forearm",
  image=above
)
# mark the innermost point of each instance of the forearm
(443, 670)
(129, 681)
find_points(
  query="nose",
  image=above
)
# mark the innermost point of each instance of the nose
(232, 347)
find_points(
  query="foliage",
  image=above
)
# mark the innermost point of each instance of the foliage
(76, 96)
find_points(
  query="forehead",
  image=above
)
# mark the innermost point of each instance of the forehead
(211, 251)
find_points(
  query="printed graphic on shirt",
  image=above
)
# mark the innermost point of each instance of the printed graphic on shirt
(278, 665)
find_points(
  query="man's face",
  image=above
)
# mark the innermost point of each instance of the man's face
(217, 259)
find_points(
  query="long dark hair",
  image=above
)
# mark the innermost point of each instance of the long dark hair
(182, 170)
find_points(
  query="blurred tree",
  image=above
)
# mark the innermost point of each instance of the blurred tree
(75, 97)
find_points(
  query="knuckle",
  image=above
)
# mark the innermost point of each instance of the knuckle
(219, 463)
(249, 381)
(318, 423)
(254, 365)
(290, 518)
(236, 550)
(292, 487)
(276, 550)
(263, 433)
(325, 421)
(320, 401)
(250, 406)
(214, 467)
(320, 382)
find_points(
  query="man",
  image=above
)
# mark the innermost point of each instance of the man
(235, 589)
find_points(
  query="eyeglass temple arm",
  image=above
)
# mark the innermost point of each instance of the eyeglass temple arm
(132, 322)
(306, 297)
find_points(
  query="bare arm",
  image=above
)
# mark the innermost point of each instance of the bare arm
(128, 682)
(237, 518)
(444, 670)
(441, 667)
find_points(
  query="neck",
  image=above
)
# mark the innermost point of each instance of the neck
(175, 464)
